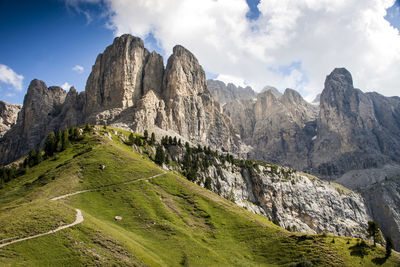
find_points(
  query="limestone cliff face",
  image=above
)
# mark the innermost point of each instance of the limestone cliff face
(280, 128)
(356, 130)
(296, 201)
(116, 80)
(190, 109)
(293, 200)
(129, 88)
(225, 93)
(43, 111)
(350, 130)
(353, 137)
(8, 116)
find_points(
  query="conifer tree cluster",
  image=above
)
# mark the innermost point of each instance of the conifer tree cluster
(57, 142)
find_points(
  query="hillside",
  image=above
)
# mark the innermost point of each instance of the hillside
(166, 220)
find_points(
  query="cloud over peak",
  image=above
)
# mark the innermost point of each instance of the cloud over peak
(288, 44)
(66, 86)
(79, 69)
(9, 76)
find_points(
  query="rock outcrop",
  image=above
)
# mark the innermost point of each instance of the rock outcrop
(144, 95)
(291, 199)
(45, 109)
(116, 80)
(352, 137)
(227, 93)
(356, 130)
(280, 128)
(8, 116)
(129, 88)
(294, 201)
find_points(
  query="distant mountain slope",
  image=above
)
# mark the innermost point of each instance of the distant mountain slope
(166, 220)
(225, 93)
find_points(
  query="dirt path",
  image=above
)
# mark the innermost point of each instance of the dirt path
(79, 219)
(105, 186)
(79, 216)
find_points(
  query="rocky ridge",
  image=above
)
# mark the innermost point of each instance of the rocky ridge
(45, 109)
(350, 136)
(293, 200)
(8, 116)
(129, 88)
(280, 128)
(225, 93)
(298, 202)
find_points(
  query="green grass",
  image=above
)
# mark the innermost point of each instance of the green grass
(167, 221)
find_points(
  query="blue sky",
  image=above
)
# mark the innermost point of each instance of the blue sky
(48, 39)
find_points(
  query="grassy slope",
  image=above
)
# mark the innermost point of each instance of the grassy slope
(166, 220)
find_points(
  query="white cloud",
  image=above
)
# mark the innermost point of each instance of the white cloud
(8, 76)
(66, 86)
(320, 34)
(79, 69)
(75, 5)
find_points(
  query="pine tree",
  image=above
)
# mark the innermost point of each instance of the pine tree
(50, 144)
(59, 141)
(11, 173)
(131, 139)
(160, 157)
(138, 141)
(71, 133)
(179, 142)
(152, 139)
(65, 140)
(373, 230)
(207, 183)
(389, 246)
(75, 134)
(4, 174)
(175, 141)
(146, 135)
(164, 141)
(39, 156)
(187, 146)
(88, 128)
(31, 157)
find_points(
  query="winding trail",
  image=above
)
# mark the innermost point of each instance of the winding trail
(105, 186)
(79, 219)
(79, 216)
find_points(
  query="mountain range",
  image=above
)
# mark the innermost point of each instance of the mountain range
(348, 137)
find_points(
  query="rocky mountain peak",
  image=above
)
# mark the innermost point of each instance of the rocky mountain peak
(292, 96)
(338, 79)
(267, 98)
(116, 78)
(183, 75)
(316, 99)
(227, 93)
(272, 90)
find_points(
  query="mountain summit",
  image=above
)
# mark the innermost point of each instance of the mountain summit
(128, 87)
